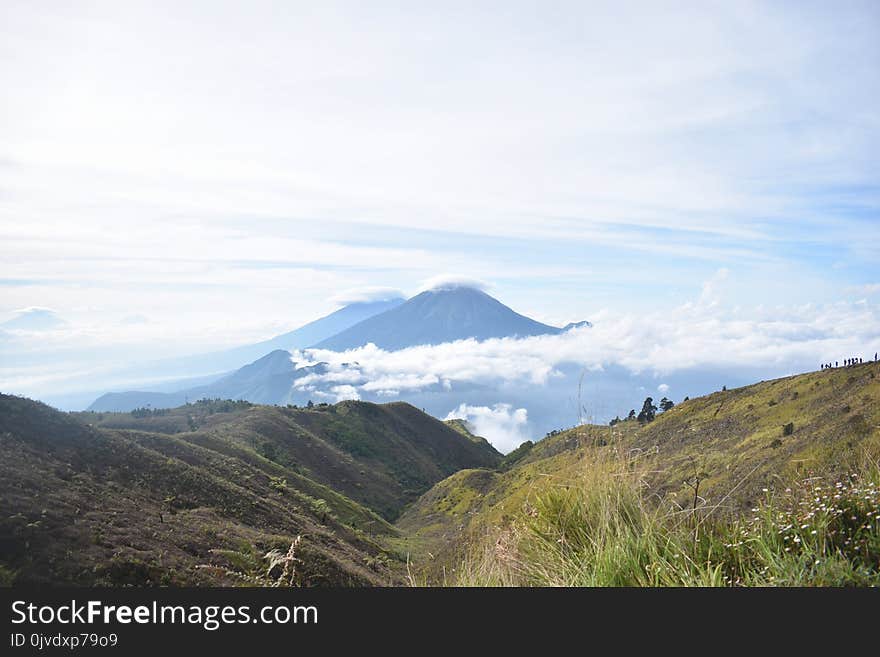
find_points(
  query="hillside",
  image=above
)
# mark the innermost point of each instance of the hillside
(185, 496)
(735, 442)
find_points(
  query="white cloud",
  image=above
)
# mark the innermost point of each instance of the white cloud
(782, 339)
(663, 388)
(367, 294)
(452, 282)
(711, 294)
(345, 392)
(502, 425)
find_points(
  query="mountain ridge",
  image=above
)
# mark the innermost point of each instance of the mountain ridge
(197, 494)
(437, 316)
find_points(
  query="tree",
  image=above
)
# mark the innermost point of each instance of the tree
(649, 411)
(666, 404)
(616, 420)
(310, 404)
(632, 415)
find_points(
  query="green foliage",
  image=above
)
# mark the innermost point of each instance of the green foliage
(648, 412)
(278, 483)
(604, 533)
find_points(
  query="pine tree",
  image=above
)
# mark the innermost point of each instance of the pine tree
(649, 411)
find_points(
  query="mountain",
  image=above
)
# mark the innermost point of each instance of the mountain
(197, 495)
(438, 316)
(305, 336)
(432, 317)
(743, 444)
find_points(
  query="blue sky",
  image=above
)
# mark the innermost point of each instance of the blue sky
(223, 170)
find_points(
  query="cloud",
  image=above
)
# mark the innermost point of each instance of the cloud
(134, 319)
(781, 340)
(502, 425)
(711, 294)
(32, 309)
(366, 295)
(452, 282)
(663, 388)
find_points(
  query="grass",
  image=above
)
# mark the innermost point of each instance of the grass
(607, 532)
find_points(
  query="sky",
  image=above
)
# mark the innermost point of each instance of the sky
(186, 175)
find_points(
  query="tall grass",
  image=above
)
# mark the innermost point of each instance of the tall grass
(607, 532)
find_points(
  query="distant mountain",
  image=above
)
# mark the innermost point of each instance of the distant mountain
(432, 317)
(34, 319)
(305, 336)
(438, 316)
(265, 381)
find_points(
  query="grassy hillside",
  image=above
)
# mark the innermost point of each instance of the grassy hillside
(723, 454)
(210, 488)
(383, 456)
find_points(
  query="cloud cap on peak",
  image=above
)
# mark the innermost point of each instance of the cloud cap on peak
(367, 294)
(445, 282)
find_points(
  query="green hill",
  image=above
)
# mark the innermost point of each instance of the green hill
(740, 444)
(198, 495)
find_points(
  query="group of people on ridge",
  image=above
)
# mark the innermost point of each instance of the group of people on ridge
(847, 362)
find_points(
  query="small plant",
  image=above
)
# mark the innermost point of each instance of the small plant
(278, 483)
(282, 565)
(788, 429)
(247, 566)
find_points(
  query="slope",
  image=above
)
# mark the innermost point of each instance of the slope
(739, 443)
(93, 498)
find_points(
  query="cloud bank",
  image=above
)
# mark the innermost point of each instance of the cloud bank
(502, 425)
(778, 341)
(793, 338)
